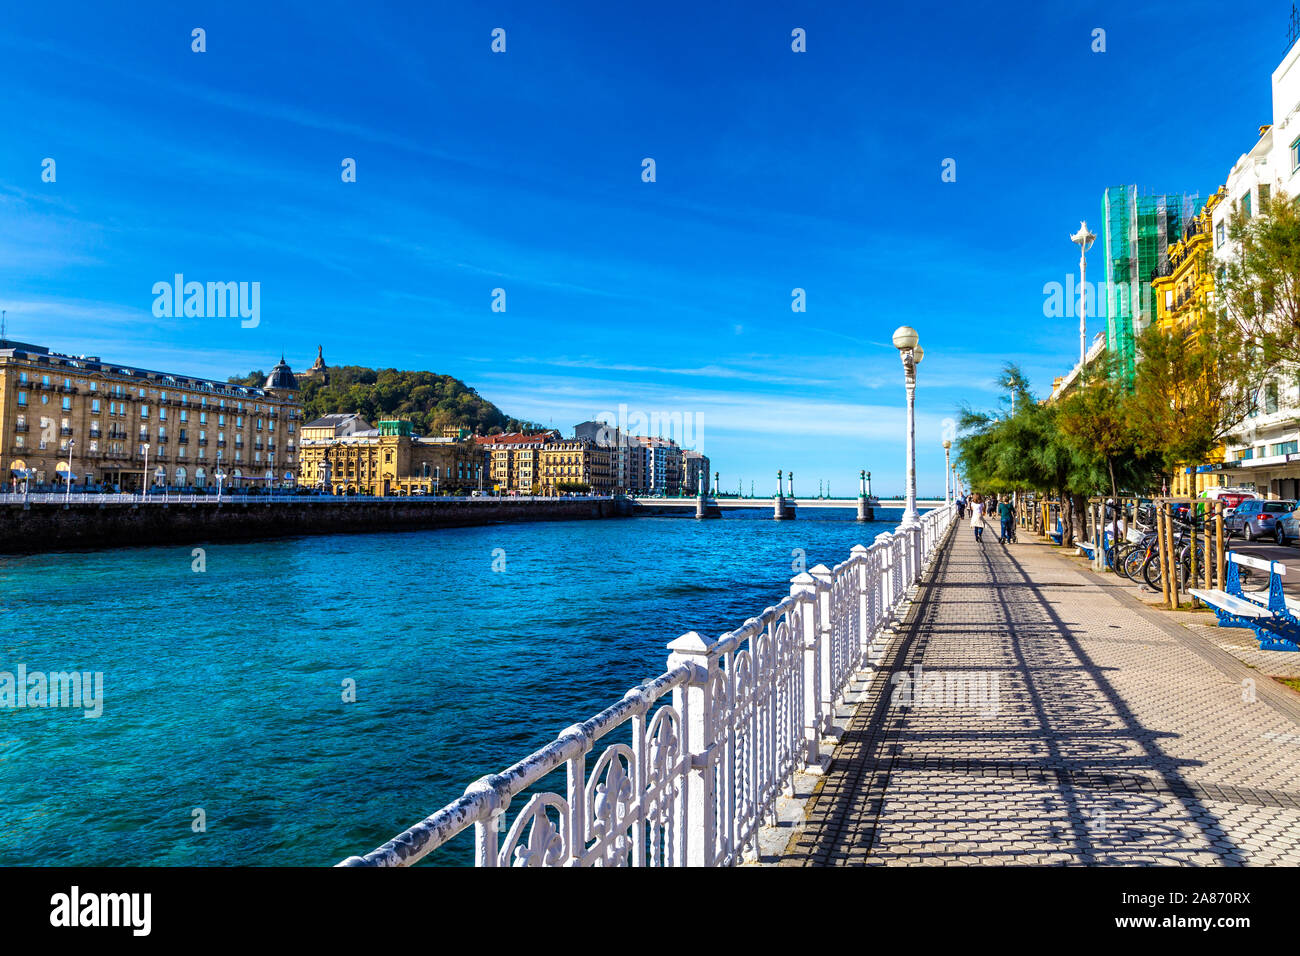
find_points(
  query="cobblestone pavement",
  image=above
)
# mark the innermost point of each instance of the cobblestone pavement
(1100, 733)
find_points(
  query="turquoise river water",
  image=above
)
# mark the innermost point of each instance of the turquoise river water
(223, 689)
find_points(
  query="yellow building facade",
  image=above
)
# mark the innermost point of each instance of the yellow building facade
(575, 462)
(514, 460)
(1182, 300)
(389, 460)
(113, 426)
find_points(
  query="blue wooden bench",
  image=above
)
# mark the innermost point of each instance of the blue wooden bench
(1275, 623)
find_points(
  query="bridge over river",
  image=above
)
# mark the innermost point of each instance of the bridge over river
(727, 504)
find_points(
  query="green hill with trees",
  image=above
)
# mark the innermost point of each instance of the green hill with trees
(430, 401)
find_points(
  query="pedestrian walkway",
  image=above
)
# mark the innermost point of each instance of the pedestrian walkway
(1112, 736)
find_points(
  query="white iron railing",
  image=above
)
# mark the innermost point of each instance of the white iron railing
(703, 770)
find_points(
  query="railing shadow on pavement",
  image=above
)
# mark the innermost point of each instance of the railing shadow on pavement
(1058, 682)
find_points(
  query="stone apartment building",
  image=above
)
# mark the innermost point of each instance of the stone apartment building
(130, 428)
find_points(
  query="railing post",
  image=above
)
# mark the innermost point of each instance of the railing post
(914, 543)
(804, 587)
(886, 583)
(825, 644)
(865, 622)
(694, 703)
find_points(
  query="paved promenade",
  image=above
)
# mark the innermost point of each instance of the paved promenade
(1119, 736)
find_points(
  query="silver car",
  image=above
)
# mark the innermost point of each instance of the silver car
(1259, 518)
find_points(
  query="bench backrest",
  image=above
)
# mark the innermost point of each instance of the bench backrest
(1259, 564)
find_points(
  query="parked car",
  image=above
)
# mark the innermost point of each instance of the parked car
(1258, 518)
(1287, 528)
(1231, 497)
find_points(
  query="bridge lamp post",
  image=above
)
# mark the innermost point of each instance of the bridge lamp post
(792, 484)
(906, 341)
(780, 484)
(947, 472)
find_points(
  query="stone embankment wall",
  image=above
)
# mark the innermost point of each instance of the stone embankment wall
(51, 527)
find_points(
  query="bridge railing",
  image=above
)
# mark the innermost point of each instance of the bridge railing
(701, 770)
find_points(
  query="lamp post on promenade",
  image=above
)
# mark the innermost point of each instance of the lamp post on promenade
(144, 475)
(220, 476)
(906, 341)
(1084, 239)
(947, 472)
(67, 494)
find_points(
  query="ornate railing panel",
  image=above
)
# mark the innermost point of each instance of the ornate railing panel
(704, 768)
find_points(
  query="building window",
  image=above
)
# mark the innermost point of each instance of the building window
(1265, 191)
(1286, 448)
(1245, 205)
(1270, 398)
(1218, 235)
(1295, 154)
(22, 399)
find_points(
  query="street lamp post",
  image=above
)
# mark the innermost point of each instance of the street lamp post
(67, 494)
(144, 475)
(1084, 239)
(947, 472)
(220, 476)
(906, 341)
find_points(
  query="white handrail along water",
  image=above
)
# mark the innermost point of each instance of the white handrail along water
(703, 769)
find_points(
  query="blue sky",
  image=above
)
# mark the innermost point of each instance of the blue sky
(775, 170)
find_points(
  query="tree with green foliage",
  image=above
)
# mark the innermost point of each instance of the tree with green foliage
(1192, 389)
(429, 401)
(1258, 284)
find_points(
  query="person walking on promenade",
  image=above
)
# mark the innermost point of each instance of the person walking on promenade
(1007, 512)
(977, 517)
(961, 507)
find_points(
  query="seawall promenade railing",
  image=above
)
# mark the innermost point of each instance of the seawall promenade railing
(712, 742)
(94, 498)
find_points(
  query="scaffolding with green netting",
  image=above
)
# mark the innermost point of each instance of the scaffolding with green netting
(1139, 229)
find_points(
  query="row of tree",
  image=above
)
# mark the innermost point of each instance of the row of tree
(1194, 385)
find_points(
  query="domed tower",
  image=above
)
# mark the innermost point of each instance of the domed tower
(281, 379)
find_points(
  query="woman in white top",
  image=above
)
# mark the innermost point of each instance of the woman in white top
(977, 517)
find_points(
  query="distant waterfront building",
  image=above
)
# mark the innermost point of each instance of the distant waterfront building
(1139, 228)
(336, 425)
(694, 465)
(1062, 385)
(514, 459)
(663, 465)
(576, 462)
(387, 460)
(107, 414)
